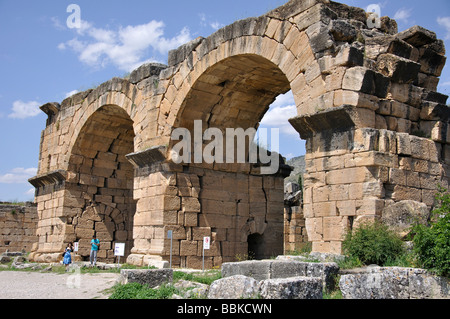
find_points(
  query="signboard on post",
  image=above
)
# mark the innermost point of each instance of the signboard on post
(170, 236)
(206, 245)
(119, 249)
(206, 242)
(75, 246)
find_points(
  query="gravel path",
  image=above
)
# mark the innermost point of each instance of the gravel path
(37, 285)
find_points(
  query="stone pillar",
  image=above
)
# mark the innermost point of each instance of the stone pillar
(51, 229)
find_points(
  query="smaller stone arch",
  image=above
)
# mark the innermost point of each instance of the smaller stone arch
(108, 224)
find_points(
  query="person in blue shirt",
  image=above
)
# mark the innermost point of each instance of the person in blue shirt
(67, 256)
(94, 249)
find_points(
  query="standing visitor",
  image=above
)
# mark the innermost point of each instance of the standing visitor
(67, 255)
(94, 249)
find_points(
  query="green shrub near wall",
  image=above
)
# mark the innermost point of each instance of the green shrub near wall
(432, 242)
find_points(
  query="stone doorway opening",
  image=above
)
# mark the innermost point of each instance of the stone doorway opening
(256, 246)
(99, 194)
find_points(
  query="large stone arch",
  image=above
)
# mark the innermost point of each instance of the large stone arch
(376, 131)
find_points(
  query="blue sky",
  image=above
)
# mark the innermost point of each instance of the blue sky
(42, 60)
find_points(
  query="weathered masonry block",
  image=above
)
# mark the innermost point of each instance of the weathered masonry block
(376, 133)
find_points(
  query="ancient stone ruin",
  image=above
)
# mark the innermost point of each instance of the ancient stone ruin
(17, 227)
(376, 134)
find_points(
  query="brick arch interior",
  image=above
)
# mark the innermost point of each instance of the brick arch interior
(99, 188)
(234, 201)
(235, 92)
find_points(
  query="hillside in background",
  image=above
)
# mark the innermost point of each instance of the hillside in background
(299, 168)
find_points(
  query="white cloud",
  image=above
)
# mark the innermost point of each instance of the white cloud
(18, 175)
(215, 25)
(22, 110)
(57, 24)
(126, 48)
(403, 15)
(445, 23)
(69, 94)
(280, 112)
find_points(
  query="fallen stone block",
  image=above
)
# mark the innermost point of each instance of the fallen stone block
(149, 277)
(5, 259)
(258, 270)
(234, 287)
(393, 283)
(274, 269)
(291, 288)
(192, 289)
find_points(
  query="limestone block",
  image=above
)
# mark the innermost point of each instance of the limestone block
(431, 62)
(172, 203)
(403, 144)
(419, 147)
(402, 215)
(345, 97)
(318, 12)
(417, 36)
(188, 248)
(406, 93)
(406, 193)
(149, 277)
(374, 158)
(104, 236)
(349, 176)
(398, 69)
(314, 228)
(190, 219)
(190, 205)
(387, 44)
(393, 283)
(199, 232)
(369, 206)
(291, 288)
(233, 287)
(364, 80)
(346, 208)
(216, 220)
(334, 228)
(85, 223)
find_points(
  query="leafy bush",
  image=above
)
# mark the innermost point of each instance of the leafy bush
(373, 243)
(432, 242)
(138, 291)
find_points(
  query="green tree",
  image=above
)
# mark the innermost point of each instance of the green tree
(432, 242)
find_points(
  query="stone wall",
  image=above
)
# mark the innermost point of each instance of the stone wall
(18, 226)
(295, 235)
(227, 207)
(381, 137)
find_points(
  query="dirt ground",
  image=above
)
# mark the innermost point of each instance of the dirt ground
(71, 285)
